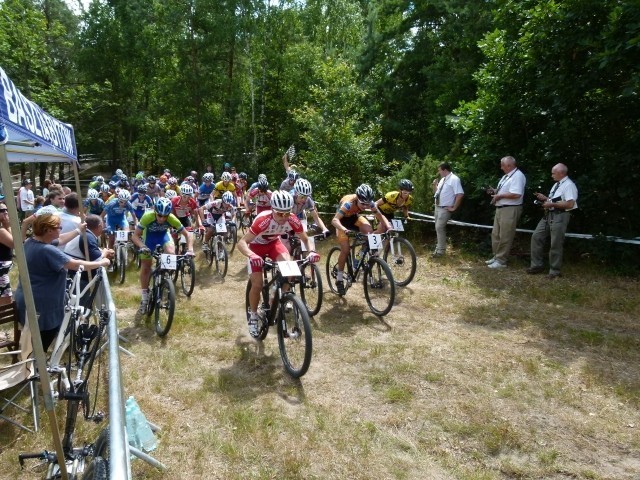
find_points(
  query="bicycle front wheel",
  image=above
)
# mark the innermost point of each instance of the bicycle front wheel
(165, 306)
(379, 287)
(221, 257)
(311, 288)
(332, 268)
(122, 263)
(402, 260)
(209, 253)
(294, 335)
(188, 276)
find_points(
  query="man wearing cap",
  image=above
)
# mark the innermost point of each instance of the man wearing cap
(26, 199)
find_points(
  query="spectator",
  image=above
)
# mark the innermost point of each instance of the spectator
(507, 197)
(45, 187)
(562, 200)
(70, 215)
(447, 195)
(26, 199)
(6, 255)
(47, 271)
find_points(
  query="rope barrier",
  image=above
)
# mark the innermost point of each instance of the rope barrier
(421, 217)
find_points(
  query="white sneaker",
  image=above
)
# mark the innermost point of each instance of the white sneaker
(143, 306)
(497, 264)
(490, 261)
(253, 325)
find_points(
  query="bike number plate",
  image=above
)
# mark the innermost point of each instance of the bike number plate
(397, 225)
(221, 225)
(289, 269)
(375, 241)
(168, 261)
(122, 235)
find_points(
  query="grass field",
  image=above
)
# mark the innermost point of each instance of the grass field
(475, 374)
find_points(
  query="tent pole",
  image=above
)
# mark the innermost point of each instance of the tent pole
(41, 362)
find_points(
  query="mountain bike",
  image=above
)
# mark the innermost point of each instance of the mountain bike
(246, 218)
(400, 255)
(81, 339)
(377, 279)
(231, 237)
(283, 308)
(216, 251)
(162, 292)
(311, 280)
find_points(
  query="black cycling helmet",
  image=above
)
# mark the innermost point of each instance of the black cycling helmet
(263, 185)
(405, 184)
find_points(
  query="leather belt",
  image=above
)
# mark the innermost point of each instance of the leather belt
(505, 206)
(444, 206)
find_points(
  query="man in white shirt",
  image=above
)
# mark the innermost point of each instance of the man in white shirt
(557, 207)
(507, 197)
(70, 215)
(447, 195)
(26, 198)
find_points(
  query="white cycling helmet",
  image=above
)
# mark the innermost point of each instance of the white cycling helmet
(172, 181)
(281, 201)
(92, 194)
(226, 177)
(262, 177)
(208, 177)
(170, 194)
(105, 187)
(124, 195)
(186, 189)
(119, 172)
(99, 179)
(302, 187)
(227, 197)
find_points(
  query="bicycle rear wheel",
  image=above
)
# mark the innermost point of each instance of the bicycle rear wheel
(379, 287)
(332, 268)
(264, 326)
(294, 335)
(165, 306)
(188, 276)
(98, 469)
(311, 288)
(402, 260)
(221, 257)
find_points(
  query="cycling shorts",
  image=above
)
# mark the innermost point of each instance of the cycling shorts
(114, 224)
(273, 250)
(351, 223)
(185, 221)
(151, 240)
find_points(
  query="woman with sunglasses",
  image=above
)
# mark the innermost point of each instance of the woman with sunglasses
(47, 267)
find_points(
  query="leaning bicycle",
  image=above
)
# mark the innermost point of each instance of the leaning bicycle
(80, 341)
(282, 307)
(377, 278)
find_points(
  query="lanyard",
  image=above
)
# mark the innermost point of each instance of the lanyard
(504, 180)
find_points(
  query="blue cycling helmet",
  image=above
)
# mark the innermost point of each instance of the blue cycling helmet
(163, 206)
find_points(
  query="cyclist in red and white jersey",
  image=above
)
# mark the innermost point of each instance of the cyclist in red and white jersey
(261, 196)
(263, 240)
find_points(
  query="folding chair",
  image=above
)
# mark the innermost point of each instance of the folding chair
(18, 379)
(10, 329)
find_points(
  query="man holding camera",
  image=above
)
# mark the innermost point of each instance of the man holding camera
(507, 198)
(557, 207)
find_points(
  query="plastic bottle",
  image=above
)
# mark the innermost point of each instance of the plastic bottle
(141, 435)
(130, 415)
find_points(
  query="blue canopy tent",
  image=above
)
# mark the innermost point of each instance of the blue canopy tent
(29, 134)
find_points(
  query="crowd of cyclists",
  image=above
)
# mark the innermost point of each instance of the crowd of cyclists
(158, 209)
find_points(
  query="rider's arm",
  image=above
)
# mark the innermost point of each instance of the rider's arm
(243, 244)
(336, 222)
(285, 162)
(382, 219)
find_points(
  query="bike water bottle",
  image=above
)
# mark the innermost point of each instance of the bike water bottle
(356, 261)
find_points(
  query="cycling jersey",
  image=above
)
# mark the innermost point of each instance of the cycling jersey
(299, 208)
(154, 233)
(116, 214)
(183, 210)
(261, 199)
(267, 230)
(287, 185)
(140, 204)
(390, 203)
(95, 206)
(154, 190)
(204, 192)
(175, 188)
(220, 188)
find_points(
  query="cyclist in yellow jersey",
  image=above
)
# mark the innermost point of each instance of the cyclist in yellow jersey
(395, 201)
(224, 185)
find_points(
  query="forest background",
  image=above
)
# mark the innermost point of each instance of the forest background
(367, 91)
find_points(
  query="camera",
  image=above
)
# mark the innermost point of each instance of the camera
(537, 202)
